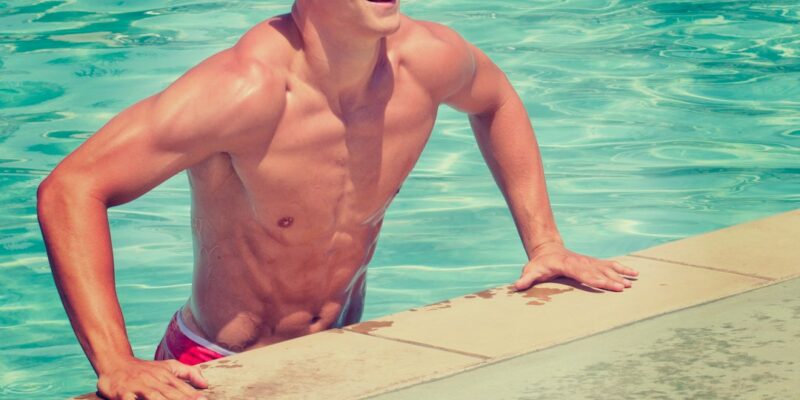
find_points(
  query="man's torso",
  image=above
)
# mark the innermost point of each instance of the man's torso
(284, 227)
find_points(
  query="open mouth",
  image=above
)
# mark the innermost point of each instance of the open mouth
(384, 6)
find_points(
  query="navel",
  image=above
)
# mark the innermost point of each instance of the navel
(285, 222)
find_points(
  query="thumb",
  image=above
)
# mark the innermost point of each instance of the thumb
(527, 279)
(189, 373)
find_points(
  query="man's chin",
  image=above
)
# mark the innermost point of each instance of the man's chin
(386, 26)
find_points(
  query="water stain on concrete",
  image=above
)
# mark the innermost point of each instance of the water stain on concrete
(214, 364)
(438, 306)
(542, 295)
(227, 366)
(369, 326)
(224, 363)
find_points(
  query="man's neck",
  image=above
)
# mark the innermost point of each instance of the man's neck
(342, 63)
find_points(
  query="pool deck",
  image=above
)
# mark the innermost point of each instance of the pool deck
(463, 333)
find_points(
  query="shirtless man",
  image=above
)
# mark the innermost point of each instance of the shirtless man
(296, 139)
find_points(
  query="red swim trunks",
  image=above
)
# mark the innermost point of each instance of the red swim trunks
(181, 344)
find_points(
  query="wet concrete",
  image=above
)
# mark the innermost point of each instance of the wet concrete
(542, 295)
(746, 346)
(437, 306)
(369, 326)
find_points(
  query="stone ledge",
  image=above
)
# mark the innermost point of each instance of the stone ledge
(765, 248)
(466, 332)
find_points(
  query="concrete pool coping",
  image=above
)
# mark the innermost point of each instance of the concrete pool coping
(466, 332)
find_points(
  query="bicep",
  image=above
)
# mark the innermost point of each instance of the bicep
(128, 156)
(485, 89)
(197, 115)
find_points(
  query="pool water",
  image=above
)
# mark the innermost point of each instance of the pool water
(657, 120)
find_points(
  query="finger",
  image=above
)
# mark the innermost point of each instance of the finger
(151, 394)
(188, 391)
(167, 391)
(602, 282)
(189, 373)
(164, 381)
(615, 277)
(527, 280)
(621, 269)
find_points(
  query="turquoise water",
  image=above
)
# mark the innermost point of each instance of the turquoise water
(657, 120)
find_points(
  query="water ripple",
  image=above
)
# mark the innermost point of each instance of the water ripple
(27, 389)
(657, 119)
(26, 93)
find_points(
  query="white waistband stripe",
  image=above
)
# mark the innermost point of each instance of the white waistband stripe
(198, 339)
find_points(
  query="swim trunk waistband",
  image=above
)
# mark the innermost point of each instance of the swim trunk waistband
(181, 344)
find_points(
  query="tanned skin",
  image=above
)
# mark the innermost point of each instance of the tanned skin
(296, 140)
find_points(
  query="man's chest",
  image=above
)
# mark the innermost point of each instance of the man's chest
(335, 169)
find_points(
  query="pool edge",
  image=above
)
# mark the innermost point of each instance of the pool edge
(722, 262)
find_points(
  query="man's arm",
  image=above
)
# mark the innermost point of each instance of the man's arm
(508, 144)
(212, 108)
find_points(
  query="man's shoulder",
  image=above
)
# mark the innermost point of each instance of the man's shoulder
(257, 60)
(234, 90)
(441, 33)
(272, 43)
(435, 54)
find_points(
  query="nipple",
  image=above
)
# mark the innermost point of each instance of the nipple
(285, 222)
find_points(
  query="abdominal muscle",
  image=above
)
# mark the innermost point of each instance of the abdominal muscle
(257, 283)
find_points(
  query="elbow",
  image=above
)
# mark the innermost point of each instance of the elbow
(58, 193)
(44, 193)
(47, 195)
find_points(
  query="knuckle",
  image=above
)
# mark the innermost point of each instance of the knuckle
(167, 367)
(161, 376)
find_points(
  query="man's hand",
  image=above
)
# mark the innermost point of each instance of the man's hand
(152, 380)
(553, 260)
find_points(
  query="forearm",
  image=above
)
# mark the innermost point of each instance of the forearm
(508, 145)
(76, 233)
